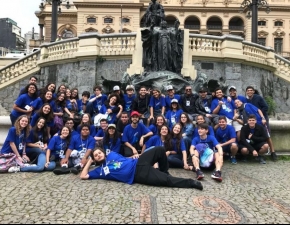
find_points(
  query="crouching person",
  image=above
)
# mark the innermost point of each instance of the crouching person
(114, 166)
(78, 152)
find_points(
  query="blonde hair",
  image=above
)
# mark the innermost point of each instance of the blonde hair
(18, 128)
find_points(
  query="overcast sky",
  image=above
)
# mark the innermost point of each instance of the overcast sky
(22, 12)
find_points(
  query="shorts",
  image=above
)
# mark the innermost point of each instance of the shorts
(227, 148)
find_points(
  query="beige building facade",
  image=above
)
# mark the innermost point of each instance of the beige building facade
(213, 17)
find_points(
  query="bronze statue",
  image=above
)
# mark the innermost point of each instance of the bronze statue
(154, 14)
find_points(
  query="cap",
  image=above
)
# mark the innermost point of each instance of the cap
(232, 87)
(174, 101)
(202, 89)
(169, 87)
(130, 87)
(116, 88)
(135, 113)
(112, 125)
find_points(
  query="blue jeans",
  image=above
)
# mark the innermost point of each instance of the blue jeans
(40, 166)
(175, 161)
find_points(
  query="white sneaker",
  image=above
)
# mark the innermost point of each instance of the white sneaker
(28, 165)
(14, 169)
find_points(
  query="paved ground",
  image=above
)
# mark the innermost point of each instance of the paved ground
(249, 193)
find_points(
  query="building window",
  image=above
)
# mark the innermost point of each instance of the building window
(278, 24)
(262, 41)
(278, 45)
(126, 20)
(108, 20)
(261, 23)
(91, 20)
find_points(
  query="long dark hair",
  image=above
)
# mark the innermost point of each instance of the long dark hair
(106, 140)
(167, 140)
(48, 117)
(43, 130)
(60, 103)
(178, 137)
(42, 96)
(67, 140)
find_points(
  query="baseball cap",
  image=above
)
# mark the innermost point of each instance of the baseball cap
(130, 87)
(174, 101)
(116, 88)
(135, 113)
(169, 87)
(202, 89)
(232, 87)
(112, 125)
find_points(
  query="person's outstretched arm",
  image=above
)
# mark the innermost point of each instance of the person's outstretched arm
(85, 172)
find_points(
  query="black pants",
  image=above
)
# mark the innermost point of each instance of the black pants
(128, 152)
(147, 174)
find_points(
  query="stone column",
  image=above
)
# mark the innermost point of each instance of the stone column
(41, 31)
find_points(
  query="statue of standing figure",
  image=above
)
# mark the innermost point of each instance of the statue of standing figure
(162, 48)
(154, 14)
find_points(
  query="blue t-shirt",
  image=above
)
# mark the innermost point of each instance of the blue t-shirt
(81, 104)
(157, 103)
(121, 169)
(173, 117)
(128, 101)
(97, 104)
(23, 101)
(251, 109)
(71, 106)
(32, 139)
(113, 147)
(210, 132)
(154, 129)
(112, 117)
(133, 135)
(211, 141)
(38, 103)
(168, 101)
(20, 141)
(56, 108)
(174, 144)
(57, 146)
(100, 133)
(92, 130)
(226, 109)
(34, 119)
(154, 141)
(224, 135)
(77, 143)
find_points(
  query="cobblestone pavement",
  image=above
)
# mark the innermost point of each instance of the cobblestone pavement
(249, 193)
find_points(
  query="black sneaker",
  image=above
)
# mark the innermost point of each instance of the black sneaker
(217, 175)
(199, 175)
(262, 160)
(197, 184)
(75, 170)
(274, 156)
(61, 170)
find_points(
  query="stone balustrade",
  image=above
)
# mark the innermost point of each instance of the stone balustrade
(19, 69)
(283, 67)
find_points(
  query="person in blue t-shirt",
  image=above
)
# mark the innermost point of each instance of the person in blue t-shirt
(156, 104)
(38, 103)
(112, 140)
(82, 103)
(226, 136)
(173, 113)
(204, 151)
(114, 166)
(96, 101)
(22, 105)
(113, 109)
(15, 141)
(134, 135)
(128, 99)
(57, 147)
(79, 151)
(201, 119)
(170, 96)
(158, 122)
(46, 112)
(86, 119)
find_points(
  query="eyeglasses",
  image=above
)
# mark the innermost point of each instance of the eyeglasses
(188, 89)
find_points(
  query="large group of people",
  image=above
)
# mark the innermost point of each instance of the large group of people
(135, 137)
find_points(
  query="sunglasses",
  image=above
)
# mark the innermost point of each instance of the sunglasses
(188, 89)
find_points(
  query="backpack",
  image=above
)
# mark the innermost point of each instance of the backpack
(9, 160)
